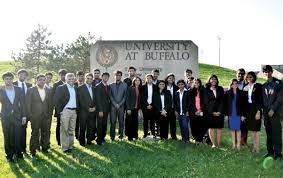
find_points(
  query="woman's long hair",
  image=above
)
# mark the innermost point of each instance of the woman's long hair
(208, 84)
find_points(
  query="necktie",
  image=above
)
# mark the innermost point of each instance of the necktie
(23, 88)
(106, 89)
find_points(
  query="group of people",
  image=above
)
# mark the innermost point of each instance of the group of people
(84, 102)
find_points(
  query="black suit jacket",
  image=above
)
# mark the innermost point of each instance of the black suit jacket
(37, 108)
(228, 99)
(256, 98)
(85, 100)
(192, 101)
(102, 98)
(55, 86)
(132, 98)
(185, 102)
(167, 101)
(128, 81)
(273, 100)
(175, 89)
(17, 108)
(62, 97)
(144, 93)
(212, 103)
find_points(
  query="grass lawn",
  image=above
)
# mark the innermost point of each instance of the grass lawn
(142, 159)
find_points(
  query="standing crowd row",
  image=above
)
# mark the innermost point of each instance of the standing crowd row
(83, 104)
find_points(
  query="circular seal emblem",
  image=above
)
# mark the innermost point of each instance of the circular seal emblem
(106, 56)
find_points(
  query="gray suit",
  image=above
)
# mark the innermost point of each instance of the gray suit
(118, 94)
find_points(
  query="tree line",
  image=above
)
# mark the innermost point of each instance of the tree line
(40, 54)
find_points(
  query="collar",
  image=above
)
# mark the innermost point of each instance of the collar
(183, 90)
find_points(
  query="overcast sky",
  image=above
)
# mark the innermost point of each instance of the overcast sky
(251, 31)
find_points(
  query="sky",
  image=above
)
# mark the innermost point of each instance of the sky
(251, 31)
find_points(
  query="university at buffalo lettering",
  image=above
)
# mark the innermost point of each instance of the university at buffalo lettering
(167, 56)
(157, 50)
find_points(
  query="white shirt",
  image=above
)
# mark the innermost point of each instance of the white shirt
(20, 85)
(149, 93)
(181, 99)
(89, 87)
(170, 89)
(162, 102)
(42, 93)
(72, 100)
(250, 92)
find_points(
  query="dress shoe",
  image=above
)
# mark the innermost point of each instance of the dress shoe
(32, 155)
(20, 156)
(267, 155)
(10, 160)
(278, 157)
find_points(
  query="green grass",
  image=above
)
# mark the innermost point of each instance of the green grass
(142, 159)
(145, 159)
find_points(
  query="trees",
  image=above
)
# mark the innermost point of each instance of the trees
(37, 49)
(40, 55)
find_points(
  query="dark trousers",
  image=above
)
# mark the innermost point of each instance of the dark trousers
(184, 125)
(172, 123)
(244, 132)
(132, 124)
(24, 138)
(198, 127)
(12, 138)
(149, 115)
(87, 127)
(77, 129)
(273, 130)
(58, 130)
(39, 133)
(101, 127)
(164, 126)
(49, 131)
(113, 119)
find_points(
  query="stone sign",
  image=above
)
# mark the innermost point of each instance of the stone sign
(167, 56)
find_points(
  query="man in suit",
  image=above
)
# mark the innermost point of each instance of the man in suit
(48, 76)
(66, 103)
(132, 74)
(102, 98)
(22, 77)
(39, 112)
(272, 102)
(118, 94)
(96, 76)
(80, 81)
(62, 73)
(148, 90)
(12, 116)
(87, 113)
(241, 84)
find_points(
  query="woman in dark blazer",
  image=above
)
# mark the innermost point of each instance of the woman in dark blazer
(162, 102)
(214, 96)
(133, 107)
(197, 111)
(253, 108)
(172, 88)
(233, 109)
